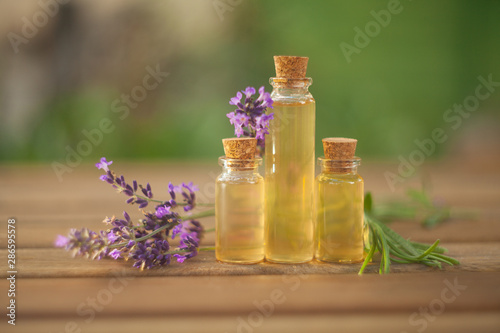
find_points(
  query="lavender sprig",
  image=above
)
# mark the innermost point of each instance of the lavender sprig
(250, 119)
(143, 195)
(147, 242)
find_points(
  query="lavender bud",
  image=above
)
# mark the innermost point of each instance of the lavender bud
(127, 217)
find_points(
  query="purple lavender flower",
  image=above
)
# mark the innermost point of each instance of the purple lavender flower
(180, 257)
(263, 120)
(115, 254)
(84, 242)
(191, 187)
(249, 119)
(142, 203)
(265, 98)
(173, 189)
(103, 164)
(145, 242)
(238, 119)
(261, 132)
(145, 196)
(190, 233)
(126, 216)
(249, 91)
(189, 196)
(236, 100)
(61, 241)
(112, 237)
(162, 211)
(176, 230)
(151, 254)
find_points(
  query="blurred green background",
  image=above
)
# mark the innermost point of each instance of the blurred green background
(66, 77)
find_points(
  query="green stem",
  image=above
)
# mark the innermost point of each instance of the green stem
(143, 237)
(369, 257)
(395, 248)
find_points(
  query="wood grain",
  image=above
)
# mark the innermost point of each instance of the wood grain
(44, 263)
(206, 296)
(487, 322)
(45, 207)
(237, 295)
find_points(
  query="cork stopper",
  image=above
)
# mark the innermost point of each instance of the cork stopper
(240, 148)
(290, 67)
(339, 149)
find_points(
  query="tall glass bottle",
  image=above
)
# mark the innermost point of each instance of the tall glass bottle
(289, 161)
(239, 204)
(339, 204)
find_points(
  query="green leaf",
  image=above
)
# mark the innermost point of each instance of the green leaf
(423, 246)
(436, 218)
(394, 248)
(420, 196)
(368, 202)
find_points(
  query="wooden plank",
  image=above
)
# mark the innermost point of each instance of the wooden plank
(39, 186)
(215, 295)
(30, 190)
(467, 322)
(44, 263)
(55, 207)
(45, 207)
(40, 231)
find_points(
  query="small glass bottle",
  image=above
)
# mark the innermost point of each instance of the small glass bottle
(339, 204)
(289, 163)
(239, 204)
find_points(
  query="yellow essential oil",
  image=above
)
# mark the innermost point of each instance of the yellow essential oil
(339, 210)
(239, 212)
(289, 158)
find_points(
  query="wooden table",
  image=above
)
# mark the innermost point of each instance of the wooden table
(55, 293)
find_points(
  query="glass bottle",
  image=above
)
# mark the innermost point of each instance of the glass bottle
(289, 157)
(339, 211)
(239, 209)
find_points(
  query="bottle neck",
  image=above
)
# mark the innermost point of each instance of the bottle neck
(348, 166)
(290, 87)
(238, 166)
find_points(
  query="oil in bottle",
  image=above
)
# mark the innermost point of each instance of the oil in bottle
(289, 165)
(339, 204)
(239, 204)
